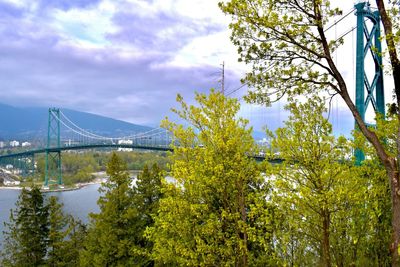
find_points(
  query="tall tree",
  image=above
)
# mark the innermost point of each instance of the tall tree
(287, 45)
(58, 223)
(147, 194)
(26, 236)
(39, 233)
(327, 220)
(110, 235)
(391, 22)
(76, 233)
(215, 211)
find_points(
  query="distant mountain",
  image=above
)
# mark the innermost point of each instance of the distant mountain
(32, 123)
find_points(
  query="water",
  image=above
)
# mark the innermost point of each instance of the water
(79, 203)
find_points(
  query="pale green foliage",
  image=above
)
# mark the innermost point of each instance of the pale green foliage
(215, 211)
(318, 190)
(287, 35)
(393, 10)
(386, 131)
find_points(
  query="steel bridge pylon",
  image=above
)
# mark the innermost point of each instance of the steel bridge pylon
(53, 174)
(367, 92)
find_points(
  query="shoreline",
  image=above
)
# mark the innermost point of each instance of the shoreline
(10, 187)
(100, 178)
(97, 180)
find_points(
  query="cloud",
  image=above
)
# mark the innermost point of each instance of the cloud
(125, 59)
(67, 77)
(95, 56)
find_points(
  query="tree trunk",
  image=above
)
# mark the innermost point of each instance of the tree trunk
(394, 187)
(393, 171)
(244, 233)
(326, 255)
(243, 260)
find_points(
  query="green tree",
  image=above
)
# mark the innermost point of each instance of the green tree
(147, 194)
(27, 232)
(73, 244)
(39, 233)
(58, 223)
(111, 232)
(318, 188)
(287, 44)
(214, 211)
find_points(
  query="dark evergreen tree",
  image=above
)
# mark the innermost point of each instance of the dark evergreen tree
(76, 234)
(40, 234)
(27, 232)
(110, 239)
(116, 235)
(147, 194)
(58, 231)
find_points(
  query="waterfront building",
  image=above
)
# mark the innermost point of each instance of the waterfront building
(26, 144)
(14, 143)
(125, 142)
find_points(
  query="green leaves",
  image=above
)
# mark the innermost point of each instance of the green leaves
(285, 43)
(333, 209)
(211, 213)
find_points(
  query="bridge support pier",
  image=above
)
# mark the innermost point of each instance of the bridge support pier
(368, 40)
(53, 174)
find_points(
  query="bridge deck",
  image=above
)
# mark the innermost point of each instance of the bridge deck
(79, 147)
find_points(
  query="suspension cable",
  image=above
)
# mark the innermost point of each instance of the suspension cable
(342, 18)
(247, 83)
(88, 134)
(81, 129)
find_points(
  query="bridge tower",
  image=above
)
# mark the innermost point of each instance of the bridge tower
(368, 92)
(53, 172)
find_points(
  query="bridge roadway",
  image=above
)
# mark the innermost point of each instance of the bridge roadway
(80, 147)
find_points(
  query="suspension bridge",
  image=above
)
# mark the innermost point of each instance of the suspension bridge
(369, 94)
(77, 138)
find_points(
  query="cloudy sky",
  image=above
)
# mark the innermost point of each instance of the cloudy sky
(126, 59)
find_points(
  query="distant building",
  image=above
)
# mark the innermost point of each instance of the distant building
(9, 182)
(2, 144)
(14, 143)
(125, 142)
(9, 166)
(26, 144)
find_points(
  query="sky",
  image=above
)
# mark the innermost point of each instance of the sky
(128, 59)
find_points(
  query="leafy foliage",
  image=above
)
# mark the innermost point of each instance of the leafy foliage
(324, 195)
(290, 52)
(286, 44)
(79, 167)
(215, 211)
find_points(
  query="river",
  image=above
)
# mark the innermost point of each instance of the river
(78, 203)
